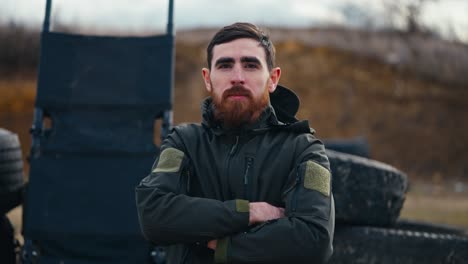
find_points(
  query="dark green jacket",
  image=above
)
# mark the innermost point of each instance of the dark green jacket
(205, 176)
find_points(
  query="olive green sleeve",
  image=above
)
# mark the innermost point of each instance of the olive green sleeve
(168, 215)
(305, 235)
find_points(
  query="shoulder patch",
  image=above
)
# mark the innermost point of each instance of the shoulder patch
(317, 178)
(170, 160)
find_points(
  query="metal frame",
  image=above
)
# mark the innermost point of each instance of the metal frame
(37, 126)
(29, 252)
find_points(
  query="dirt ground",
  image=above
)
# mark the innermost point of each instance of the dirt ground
(442, 203)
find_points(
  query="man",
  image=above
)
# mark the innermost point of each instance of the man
(251, 184)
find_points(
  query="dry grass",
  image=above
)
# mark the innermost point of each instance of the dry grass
(19, 49)
(413, 123)
(441, 203)
(422, 54)
(18, 94)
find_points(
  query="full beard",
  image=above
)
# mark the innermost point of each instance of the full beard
(236, 113)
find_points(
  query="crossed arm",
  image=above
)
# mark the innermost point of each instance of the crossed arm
(259, 212)
(298, 233)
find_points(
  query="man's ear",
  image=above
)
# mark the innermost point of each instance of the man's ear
(275, 75)
(206, 78)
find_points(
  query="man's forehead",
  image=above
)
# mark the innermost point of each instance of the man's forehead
(239, 48)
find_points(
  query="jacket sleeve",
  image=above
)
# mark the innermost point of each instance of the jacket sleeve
(168, 216)
(305, 235)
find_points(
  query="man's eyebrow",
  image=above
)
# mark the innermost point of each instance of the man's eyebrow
(250, 59)
(224, 60)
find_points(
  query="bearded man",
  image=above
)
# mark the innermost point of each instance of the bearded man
(251, 184)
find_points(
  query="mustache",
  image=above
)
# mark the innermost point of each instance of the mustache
(238, 90)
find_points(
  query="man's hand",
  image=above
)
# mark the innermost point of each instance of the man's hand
(212, 244)
(261, 212)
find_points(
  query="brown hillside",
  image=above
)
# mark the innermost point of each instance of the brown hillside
(413, 122)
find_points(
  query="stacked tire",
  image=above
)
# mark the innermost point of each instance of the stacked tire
(369, 196)
(11, 190)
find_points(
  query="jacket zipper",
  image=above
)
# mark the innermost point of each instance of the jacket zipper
(247, 178)
(296, 190)
(185, 257)
(228, 162)
(188, 181)
(234, 147)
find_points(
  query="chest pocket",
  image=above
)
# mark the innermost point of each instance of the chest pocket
(310, 194)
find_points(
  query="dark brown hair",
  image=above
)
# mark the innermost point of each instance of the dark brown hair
(238, 31)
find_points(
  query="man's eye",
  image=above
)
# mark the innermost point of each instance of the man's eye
(224, 66)
(251, 65)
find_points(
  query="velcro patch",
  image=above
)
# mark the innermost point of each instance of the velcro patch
(317, 178)
(170, 160)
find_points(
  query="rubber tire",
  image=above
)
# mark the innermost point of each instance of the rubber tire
(11, 171)
(355, 146)
(363, 244)
(366, 192)
(10, 154)
(419, 226)
(8, 167)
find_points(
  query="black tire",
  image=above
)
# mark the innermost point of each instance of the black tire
(7, 154)
(355, 146)
(8, 167)
(360, 244)
(8, 140)
(419, 226)
(11, 171)
(366, 192)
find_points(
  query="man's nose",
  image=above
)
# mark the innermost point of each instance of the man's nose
(237, 75)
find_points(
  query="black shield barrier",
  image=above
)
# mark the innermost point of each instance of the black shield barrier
(93, 140)
(358, 146)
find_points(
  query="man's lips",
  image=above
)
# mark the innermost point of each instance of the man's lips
(237, 96)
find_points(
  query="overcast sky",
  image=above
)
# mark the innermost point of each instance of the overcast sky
(144, 15)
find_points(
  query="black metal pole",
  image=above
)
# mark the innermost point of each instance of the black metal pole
(46, 25)
(166, 125)
(170, 19)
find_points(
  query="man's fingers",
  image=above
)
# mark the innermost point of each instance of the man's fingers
(261, 212)
(212, 244)
(281, 210)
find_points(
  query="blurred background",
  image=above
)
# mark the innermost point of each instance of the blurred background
(392, 71)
